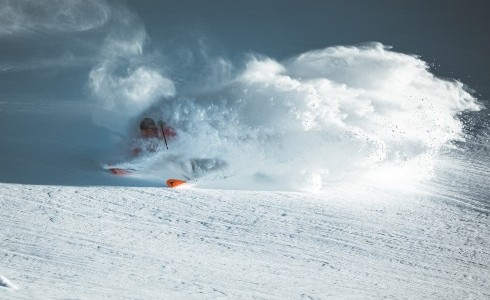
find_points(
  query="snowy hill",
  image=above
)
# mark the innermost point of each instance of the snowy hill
(156, 243)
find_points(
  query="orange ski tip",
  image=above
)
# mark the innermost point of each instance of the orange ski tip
(118, 171)
(171, 183)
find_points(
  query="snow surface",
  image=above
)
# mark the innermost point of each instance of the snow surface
(63, 242)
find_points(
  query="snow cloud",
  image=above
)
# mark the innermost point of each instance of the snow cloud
(123, 82)
(340, 109)
(329, 114)
(26, 16)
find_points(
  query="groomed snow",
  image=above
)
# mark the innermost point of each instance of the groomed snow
(62, 242)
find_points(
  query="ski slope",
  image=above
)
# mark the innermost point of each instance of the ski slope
(65, 242)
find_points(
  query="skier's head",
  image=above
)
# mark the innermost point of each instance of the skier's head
(148, 123)
(148, 127)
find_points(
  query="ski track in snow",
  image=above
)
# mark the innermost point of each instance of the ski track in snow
(157, 243)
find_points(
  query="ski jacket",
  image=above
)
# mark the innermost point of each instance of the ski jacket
(143, 144)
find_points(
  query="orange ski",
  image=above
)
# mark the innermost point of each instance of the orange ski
(118, 171)
(171, 183)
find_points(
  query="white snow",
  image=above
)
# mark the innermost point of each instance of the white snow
(64, 242)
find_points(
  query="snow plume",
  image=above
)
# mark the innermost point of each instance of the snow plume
(325, 115)
(123, 81)
(24, 16)
(198, 64)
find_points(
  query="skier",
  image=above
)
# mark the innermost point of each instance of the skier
(150, 140)
(151, 136)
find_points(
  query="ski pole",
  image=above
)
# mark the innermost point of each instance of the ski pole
(163, 133)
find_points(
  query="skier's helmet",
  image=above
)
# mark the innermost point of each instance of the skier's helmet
(148, 123)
